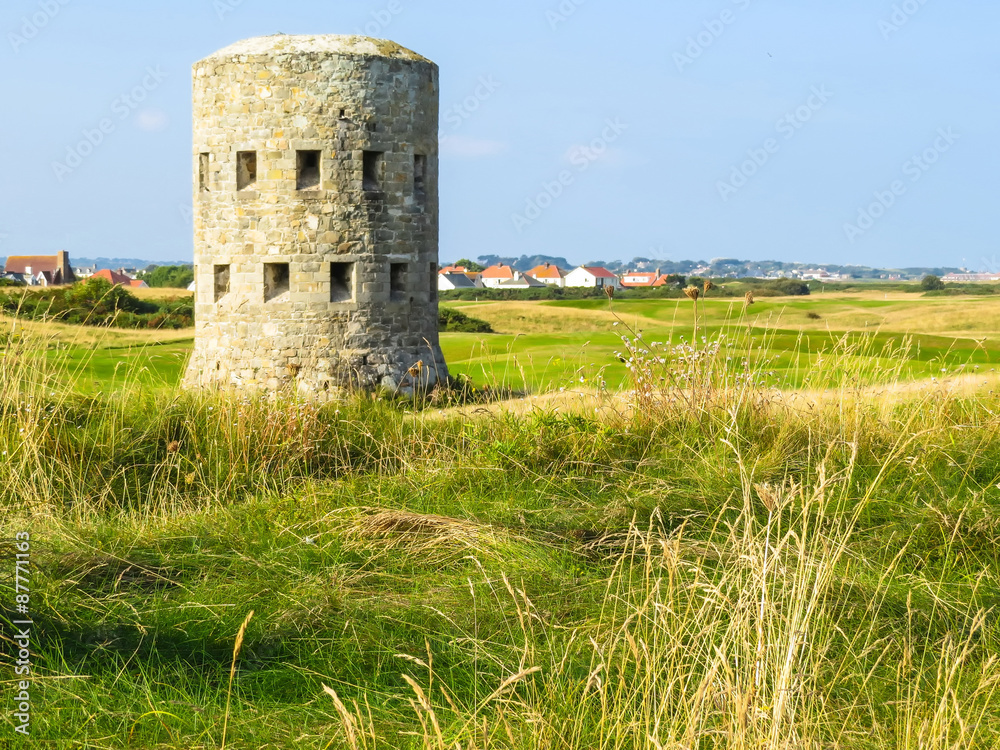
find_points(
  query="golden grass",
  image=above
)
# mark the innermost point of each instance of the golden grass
(162, 293)
(960, 317)
(91, 337)
(950, 316)
(536, 317)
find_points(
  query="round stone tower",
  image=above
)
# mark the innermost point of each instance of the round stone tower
(316, 217)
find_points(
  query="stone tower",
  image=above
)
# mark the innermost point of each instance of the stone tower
(316, 217)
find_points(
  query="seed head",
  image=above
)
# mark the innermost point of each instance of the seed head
(709, 286)
(693, 293)
(748, 299)
(173, 446)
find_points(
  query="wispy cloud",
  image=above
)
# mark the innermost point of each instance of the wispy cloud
(152, 120)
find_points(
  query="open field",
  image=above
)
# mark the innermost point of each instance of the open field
(546, 345)
(695, 560)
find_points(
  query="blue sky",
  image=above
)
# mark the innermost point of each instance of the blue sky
(827, 132)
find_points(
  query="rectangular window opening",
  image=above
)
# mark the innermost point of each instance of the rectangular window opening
(276, 280)
(203, 177)
(307, 163)
(373, 170)
(434, 281)
(246, 169)
(341, 282)
(221, 281)
(420, 177)
(397, 281)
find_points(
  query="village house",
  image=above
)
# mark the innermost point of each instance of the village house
(116, 278)
(548, 274)
(632, 279)
(522, 281)
(448, 282)
(495, 275)
(42, 270)
(592, 277)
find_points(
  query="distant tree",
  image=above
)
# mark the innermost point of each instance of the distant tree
(931, 283)
(471, 265)
(789, 287)
(175, 277)
(676, 279)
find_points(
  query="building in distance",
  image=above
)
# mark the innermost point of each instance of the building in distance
(41, 270)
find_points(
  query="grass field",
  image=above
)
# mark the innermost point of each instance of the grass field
(546, 345)
(695, 555)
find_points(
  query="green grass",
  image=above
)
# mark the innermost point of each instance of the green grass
(717, 567)
(547, 353)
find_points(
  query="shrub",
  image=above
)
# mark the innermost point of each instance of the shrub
(454, 321)
(931, 283)
(97, 302)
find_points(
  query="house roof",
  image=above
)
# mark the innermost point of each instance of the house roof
(454, 269)
(500, 271)
(523, 282)
(20, 263)
(639, 278)
(459, 280)
(138, 284)
(599, 272)
(546, 271)
(113, 276)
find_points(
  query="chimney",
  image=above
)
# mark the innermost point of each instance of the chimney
(27, 270)
(64, 268)
(657, 273)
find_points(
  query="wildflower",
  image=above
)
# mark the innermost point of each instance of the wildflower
(692, 293)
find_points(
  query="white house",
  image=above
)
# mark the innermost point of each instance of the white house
(495, 275)
(548, 274)
(592, 277)
(448, 282)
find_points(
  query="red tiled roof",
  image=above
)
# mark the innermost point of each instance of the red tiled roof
(498, 272)
(599, 272)
(547, 271)
(113, 276)
(20, 263)
(638, 278)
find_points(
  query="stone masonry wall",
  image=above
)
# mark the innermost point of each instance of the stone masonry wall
(316, 217)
